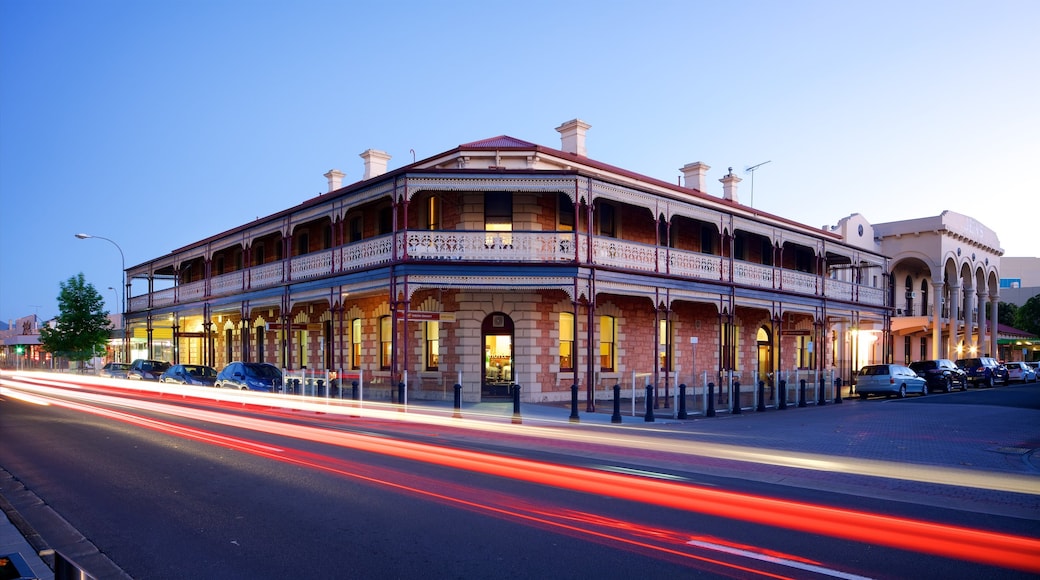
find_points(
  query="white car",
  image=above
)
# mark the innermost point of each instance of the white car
(1020, 371)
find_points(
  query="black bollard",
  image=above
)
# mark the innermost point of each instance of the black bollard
(616, 417)
(321, 387)
(400, 393)
(682, 401)
(649, 416)
(574, 404)
(821, 397)
(458, 401)
(736, 398)
(516, 405)
(710, 411)
(801, 393)
(781, 403)
(761, 397)
(296, 386)
(837, 390)
(354, 390)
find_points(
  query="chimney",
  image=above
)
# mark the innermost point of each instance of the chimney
(335, 177)
(572, 133)
(375, 162)
(729, 186)
(693, 174)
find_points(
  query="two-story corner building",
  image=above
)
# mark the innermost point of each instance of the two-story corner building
(503, 262)
(945, 286)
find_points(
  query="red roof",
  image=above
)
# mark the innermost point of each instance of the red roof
(500, 142)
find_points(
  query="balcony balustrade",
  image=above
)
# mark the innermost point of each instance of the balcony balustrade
(523, 247)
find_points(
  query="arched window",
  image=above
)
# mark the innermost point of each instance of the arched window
(924, 297)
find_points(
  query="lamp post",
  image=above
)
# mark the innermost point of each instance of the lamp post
(122, 306)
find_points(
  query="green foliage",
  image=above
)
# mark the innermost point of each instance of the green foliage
(1027, 316)
(82, 328)
(1006, 313)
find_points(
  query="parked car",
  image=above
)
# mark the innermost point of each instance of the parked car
(115, 370)
(147, 370)
(1035, 365)
(941, 374)
(983, 370)
(252, 376)
(889, 380)
(200, 375)
(1020, 371)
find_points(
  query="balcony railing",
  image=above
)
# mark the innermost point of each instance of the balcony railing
(528, 247)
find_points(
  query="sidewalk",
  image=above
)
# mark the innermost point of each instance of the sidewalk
(14, 545)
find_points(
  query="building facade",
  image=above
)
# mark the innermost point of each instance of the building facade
(501, 263)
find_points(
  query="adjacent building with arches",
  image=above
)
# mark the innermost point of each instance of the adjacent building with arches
(945, 286)
(502, 262)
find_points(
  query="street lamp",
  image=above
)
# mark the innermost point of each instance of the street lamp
(122, 306)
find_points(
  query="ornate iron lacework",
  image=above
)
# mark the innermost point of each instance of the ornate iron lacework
(491, 283)
(531, 184)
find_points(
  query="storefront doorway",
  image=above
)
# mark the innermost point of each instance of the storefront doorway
(499, 373)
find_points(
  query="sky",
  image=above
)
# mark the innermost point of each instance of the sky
(156, 124)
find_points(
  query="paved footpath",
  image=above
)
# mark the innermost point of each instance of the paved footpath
(981, 449)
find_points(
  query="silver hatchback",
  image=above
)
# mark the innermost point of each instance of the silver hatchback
(888, 380)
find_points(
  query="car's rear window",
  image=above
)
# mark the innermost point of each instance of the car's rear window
(875, 370)
(925, 365)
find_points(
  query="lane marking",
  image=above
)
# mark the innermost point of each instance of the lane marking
(775, 560)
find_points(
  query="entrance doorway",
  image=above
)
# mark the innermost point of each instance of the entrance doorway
(498, 374)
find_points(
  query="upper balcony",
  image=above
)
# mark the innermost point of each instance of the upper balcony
(509, 247)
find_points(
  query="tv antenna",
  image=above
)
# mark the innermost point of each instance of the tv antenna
(751, 170)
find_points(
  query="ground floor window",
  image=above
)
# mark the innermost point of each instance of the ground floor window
(355, 343)
(386, 331)
(607, 343)
(433, 343)
(566, 341)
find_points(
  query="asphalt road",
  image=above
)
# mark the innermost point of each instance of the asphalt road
(320, 495)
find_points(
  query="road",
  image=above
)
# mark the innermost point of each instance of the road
(227, 485)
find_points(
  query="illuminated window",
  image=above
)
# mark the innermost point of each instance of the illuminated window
(566, 341)
(433, 345)
(607, 344)
(565, 214)
(498, 217)
(664, 346)
(355, 344)
(386, 332)
(433, 213)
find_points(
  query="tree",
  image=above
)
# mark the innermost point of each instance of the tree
(83, 328)
(1028, 316)
(1006, 313)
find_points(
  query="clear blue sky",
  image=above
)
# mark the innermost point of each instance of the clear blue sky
(162, 122)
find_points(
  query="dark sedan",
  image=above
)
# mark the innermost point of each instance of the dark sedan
(115, 370)
(199, 375)
(146, 370)
(941, 374)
